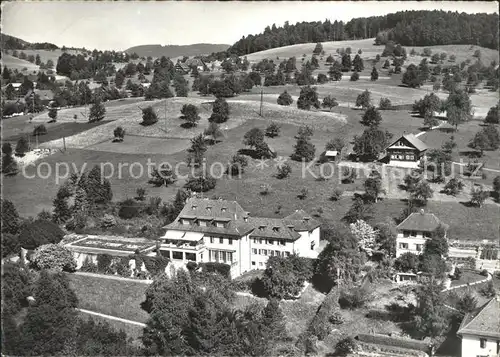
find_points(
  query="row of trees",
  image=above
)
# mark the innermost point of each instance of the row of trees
(409, 28)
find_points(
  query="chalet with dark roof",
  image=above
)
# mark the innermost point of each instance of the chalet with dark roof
(415, 230)
(209, 230)
(480, 330)
(406, 151)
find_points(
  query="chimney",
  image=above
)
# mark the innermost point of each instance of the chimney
(235, 217)
(422, 211)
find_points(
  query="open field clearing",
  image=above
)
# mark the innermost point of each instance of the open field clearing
(463, 136)
(15, 63)
(370, 51)
(346, 92)
(110, 297)
(128, 116)
(46, 55)
(140, 144)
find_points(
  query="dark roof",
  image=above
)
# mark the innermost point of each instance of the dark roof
(205, 209)
(413, 141)
(420, 221)
(272, 228)
(238, 222)
(302, 221)
(183, 66)
(484, 321)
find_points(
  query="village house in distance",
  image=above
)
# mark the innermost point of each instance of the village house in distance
(210, 230)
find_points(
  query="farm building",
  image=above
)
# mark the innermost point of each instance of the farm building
(182, 68)
(330, 155)
(198, 63)
(406, 151)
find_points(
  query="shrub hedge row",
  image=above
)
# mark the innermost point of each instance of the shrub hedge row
(214, 267)
(394, 341)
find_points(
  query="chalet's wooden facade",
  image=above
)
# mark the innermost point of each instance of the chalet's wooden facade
(407, 150)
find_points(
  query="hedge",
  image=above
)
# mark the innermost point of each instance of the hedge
(104, 263)
(214, 267)
(155, 265)
(393, 341)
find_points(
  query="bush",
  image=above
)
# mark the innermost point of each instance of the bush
(385, 104)
(284, 171)
(119, 134)
(155, 265)
(272, 130)
(354, 77)
(345, 346)
(104, 263)
(488, 290)
(88, 266)
(355, 297)
(484, 272)
(337, 194)
(201, 184)
(53, 256)
(129, 209)
(214, 267)
(39, 232)
(149, 116)
(108, 221)
(39, 130)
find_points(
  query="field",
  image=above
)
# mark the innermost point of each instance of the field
(15, 63)
(370, 51)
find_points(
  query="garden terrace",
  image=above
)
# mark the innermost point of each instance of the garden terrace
(112, 245)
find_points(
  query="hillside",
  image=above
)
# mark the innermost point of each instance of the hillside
(370, 50)
(175, 50)
(409, 28)
(13, 43)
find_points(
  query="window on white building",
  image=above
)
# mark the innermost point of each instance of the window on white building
(230, 241)
(202, 223)
(312, 245)
(264, 251)
(221, 240)
(253, 263)
(270, 241)
(219, 224)
(419, 247)
(482, 342)
(254, 251)
(282, 242)
(261, 264)
(403, 245)
(413, 233)
(406, 234)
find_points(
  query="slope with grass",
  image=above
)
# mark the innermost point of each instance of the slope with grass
(370, 51)
(13, 63)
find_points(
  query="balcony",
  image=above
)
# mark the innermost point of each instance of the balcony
(183, 245)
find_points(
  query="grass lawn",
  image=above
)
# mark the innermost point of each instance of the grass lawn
(468, 277)
(140, 144)
(111, 297)
(465, 133)
(55, 131)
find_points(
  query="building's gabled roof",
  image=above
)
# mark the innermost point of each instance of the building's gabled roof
(237, 221)
(301, 221)
(331, 153)
(412, 140)
(183, 66)
(421, 221)
(484, 321)
(229, 212)
(272, 228)
(195, 62)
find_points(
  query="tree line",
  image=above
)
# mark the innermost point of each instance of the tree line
(409, 28)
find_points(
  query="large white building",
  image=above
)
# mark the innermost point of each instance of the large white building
(480, 331)
(221, 231)
(414, 231)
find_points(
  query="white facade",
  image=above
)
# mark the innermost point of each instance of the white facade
(476, 346)
(410, 242)
(261, 249)
(241, 253)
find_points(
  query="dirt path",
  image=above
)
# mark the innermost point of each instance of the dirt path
(112, 317)
(114, 277)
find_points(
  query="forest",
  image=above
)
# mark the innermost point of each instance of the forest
(409, 28)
